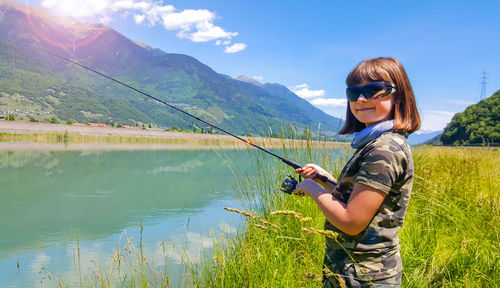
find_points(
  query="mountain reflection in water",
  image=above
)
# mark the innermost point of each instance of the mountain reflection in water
(49, 197)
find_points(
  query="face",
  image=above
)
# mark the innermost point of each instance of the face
(374, 110)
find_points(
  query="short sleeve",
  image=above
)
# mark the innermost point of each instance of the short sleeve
(382, 166)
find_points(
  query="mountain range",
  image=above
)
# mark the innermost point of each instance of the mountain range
(422, 136)
(41, 86)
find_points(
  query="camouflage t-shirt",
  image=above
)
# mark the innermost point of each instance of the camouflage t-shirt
(385, 164)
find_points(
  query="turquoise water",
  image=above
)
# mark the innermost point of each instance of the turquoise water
(50, 197)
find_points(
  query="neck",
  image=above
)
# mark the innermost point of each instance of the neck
(371, 132)
(375, 123)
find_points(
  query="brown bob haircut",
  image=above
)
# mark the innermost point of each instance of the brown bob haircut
(385, 69)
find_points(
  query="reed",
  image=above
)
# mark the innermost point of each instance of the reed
(450, 237)
(188, 140)
(128, 267)
(67, 138)
(262, 255)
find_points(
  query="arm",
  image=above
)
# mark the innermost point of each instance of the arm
(351, 218)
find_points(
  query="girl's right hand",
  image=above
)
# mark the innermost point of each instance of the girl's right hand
(309, 172)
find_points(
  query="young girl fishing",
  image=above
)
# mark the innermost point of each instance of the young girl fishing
(367, 206)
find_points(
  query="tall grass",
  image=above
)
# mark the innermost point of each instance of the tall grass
(185, 139)
(450, 237)
(127, 267)
(262, 255)
(68, 138)
(451, 232)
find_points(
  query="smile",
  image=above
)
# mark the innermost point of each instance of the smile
(365, 109)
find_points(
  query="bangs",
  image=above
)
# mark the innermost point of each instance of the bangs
(368, 71)
(385, 69)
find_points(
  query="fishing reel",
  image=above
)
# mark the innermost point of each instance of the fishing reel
(290, 184)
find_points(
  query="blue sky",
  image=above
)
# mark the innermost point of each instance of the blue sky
(310, 46)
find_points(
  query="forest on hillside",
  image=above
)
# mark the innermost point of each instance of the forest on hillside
(479, 124)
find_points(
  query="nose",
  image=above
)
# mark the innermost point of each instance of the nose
(361, 98)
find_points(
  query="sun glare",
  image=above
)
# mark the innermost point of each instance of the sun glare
(82, 35)
(76, 8)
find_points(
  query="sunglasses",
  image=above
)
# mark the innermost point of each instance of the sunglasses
(368, 90)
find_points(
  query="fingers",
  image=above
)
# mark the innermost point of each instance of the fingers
(309, 171)
(306, 172)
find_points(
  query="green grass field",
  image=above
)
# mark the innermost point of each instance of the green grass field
(450, 237)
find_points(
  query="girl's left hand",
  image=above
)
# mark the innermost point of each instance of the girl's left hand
(310, 187)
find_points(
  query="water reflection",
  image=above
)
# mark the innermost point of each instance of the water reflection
(50, 197)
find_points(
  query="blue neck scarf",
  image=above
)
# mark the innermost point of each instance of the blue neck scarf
(369, 133)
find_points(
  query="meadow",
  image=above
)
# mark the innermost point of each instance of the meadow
(450, 237)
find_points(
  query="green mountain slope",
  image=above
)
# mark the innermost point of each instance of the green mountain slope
(479, 124)
(42, 86)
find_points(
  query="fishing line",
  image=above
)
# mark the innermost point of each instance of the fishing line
(288, 162)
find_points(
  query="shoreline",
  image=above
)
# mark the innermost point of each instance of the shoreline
(22, 127)
(28, 136)
(41, 147)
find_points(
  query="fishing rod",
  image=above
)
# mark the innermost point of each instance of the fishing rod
(287, 184)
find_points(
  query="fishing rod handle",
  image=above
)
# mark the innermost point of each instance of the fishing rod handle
(325, 179)
(291, 163)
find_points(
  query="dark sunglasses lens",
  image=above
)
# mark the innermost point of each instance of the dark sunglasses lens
(353, 94)
(371, 90)
(368, 91)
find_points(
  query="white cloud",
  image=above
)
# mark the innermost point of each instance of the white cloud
(258, 78)
(139, 18)
(331, 106)
(206, 32)
(236, 47)
(195, 25)
(220, 42)
(303, 91)
(435, 120)
(76, 8)
(329, 102)
(186, 20)
(461, 102)
(441, 113)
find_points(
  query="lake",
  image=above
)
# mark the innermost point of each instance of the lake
(49, 197)
(56, 204)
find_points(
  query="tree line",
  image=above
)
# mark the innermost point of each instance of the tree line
(479, 124)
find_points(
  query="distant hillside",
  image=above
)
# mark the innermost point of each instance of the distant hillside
(41, 86)
(436, 141)
(421, 137)
(479, 124)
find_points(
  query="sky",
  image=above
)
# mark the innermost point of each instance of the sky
(311, 46)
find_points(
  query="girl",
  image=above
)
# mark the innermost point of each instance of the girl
(367, 206)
